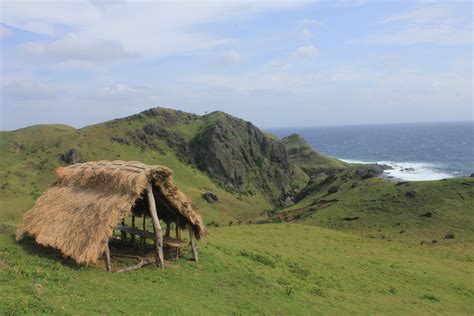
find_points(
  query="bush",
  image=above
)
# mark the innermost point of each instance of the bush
(449, 235)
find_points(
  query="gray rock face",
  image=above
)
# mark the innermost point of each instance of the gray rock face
(210, 197)
(71, 157)
(237, 154)
(174, 140)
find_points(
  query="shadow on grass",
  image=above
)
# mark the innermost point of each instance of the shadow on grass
(29, 245)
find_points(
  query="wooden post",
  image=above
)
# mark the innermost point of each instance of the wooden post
(168, 229)
(193, 243)
(123, 235)
(178, 234)
(143, 239)
(107, 258)
(133, 225)
(156, 224)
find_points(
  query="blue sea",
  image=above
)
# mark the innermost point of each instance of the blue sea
(431, 151)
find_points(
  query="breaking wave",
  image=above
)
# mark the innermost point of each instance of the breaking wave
(410, 171)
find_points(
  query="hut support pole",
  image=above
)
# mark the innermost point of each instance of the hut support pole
(156, 223)
(178, 234)
(168, 229)
(143, 239)
(193, 243)
(107, 258)
(123, 235)
(133, 225)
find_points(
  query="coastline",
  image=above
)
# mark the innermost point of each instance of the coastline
(407, 171)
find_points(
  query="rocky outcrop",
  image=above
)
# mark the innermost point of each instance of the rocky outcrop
(371, 170)
(173, 139)
(309, 160)
(242, 158)
(71, 157)
(210, 197)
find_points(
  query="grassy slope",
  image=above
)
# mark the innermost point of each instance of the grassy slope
(30, 155)
(268, 269)
(380, 209)
(305, 157)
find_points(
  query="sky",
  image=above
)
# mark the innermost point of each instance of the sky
(275, 63)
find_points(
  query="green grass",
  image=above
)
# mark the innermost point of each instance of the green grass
(250, 269)
(381, 209)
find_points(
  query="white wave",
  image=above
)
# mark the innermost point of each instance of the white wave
(409, 171)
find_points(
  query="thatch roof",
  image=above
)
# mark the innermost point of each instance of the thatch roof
(78, 213)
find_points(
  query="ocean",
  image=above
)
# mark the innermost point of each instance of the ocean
(424, 151)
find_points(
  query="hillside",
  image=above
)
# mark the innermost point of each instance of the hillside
(308, 159)
(419, 212)
(248, 170)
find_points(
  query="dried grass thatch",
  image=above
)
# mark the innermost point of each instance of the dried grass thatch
(78, 213)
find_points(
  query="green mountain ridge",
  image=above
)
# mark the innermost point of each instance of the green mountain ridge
(249, 170)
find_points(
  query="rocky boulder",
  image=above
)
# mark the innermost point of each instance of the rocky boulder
(210, 197)
(71, 157)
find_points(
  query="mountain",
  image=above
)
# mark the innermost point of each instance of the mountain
(255, 176)
(249, 170)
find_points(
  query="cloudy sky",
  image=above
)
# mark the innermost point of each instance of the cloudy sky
(275, 63)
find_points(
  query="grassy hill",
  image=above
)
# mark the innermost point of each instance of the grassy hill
(250, 269)
(157, 136)
(308, 159)
(352, 243)
(377, 208)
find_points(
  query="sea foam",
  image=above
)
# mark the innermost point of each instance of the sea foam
(409, 171)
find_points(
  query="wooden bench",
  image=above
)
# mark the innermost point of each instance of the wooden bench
(168, 242)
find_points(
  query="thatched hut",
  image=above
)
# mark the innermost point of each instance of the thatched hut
(79, 213)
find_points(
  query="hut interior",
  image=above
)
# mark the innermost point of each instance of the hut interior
(148, 211)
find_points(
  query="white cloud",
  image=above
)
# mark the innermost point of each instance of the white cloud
(421, 15)
(152, 29)
(5, 32)
(312, 22)
(74, 47)
(120, 89)
(402, 87)
(28, 90)
(436, 23)
(230, 57)
(443, 35)
(308, 52)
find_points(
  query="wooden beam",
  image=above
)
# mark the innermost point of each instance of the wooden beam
(142, 263)
(136, 231)
(107, 258)
(193, 243)
(156, 224)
